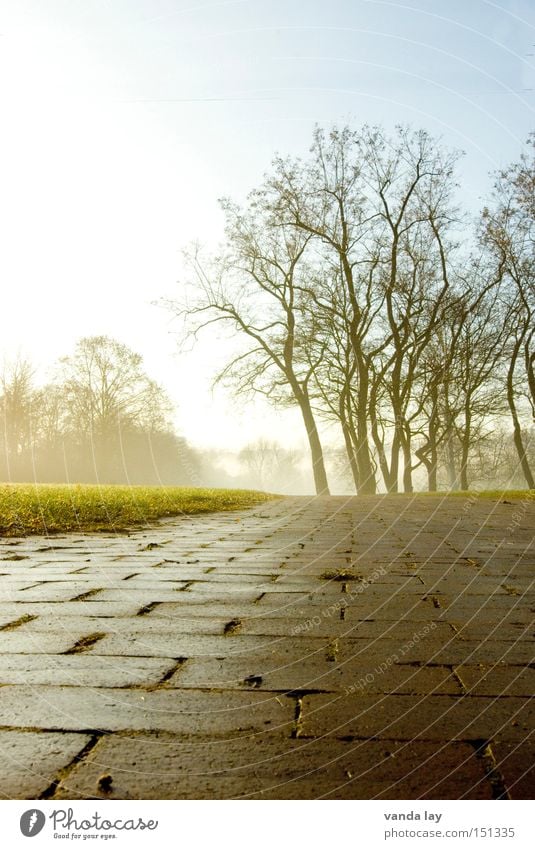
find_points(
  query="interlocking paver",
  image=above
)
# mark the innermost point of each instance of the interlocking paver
(82, 670)
(264, 768)
(30, 761)
(498, 680)
(516, 765)
(131, 625)
(408, 717)
(224, 714)
(217, 656)
(314, 672)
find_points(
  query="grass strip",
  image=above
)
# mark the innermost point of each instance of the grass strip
(50, 508)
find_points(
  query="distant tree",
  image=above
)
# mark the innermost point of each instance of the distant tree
(106, 389)
(18, 414)
(108, 402)
(102, 419)
(271, 465)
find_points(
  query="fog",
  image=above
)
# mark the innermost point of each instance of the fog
(122, 126)
(70, 431)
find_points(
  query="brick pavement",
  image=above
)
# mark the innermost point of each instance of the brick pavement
(375, 647)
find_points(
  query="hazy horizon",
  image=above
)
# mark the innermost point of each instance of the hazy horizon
(123, 125)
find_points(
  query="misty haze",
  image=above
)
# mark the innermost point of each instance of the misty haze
(353, 286)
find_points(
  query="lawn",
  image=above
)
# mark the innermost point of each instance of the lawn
(49, 508)
(498, 494)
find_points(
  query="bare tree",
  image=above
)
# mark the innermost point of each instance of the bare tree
(18, 413)
(107, 389)
(413, 179)
(255, 289)
(107, 397)
(270, 464)
(323, 198)
(377, 211)
(508, 232)
(356, 297)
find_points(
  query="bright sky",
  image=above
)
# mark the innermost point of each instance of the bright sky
(123, 121)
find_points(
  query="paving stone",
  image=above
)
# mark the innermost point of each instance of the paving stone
(264, 568)
(7, 619)
(11, 590)
(366, 604)
(200, 579)
(516, 766)
(469, 605)
(135, 626)
(513, 615)
(460, 651)
(302, 588)
(509, 632)
(50, 591)
(328, 626)
(498, 680)
(274, 768)
(31, 761)
(223, 714)
(85, 607)
(81, 670)
(432, 717)
(198, 645)
(72, 575)
(52, 642)
(179, 594)
(401, 679)
(270, 672)
(169, 611)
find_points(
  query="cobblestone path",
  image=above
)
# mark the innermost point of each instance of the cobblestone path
(379, 647)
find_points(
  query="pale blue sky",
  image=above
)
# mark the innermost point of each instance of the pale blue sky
(123, 121)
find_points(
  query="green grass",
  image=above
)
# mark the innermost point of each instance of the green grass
(50, 508)
(498, 494)
(508, 494)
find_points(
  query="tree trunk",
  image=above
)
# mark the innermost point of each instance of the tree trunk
(367, 482)
(390, 483)
(394, 461)
(316, 451)
(452, 473)
(466, 447)
(350, 451)
(517, 430)
(407, 465)
(529, 357)
(433, 450)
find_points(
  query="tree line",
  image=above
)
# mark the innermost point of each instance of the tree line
(101, 420)
(359, 291)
